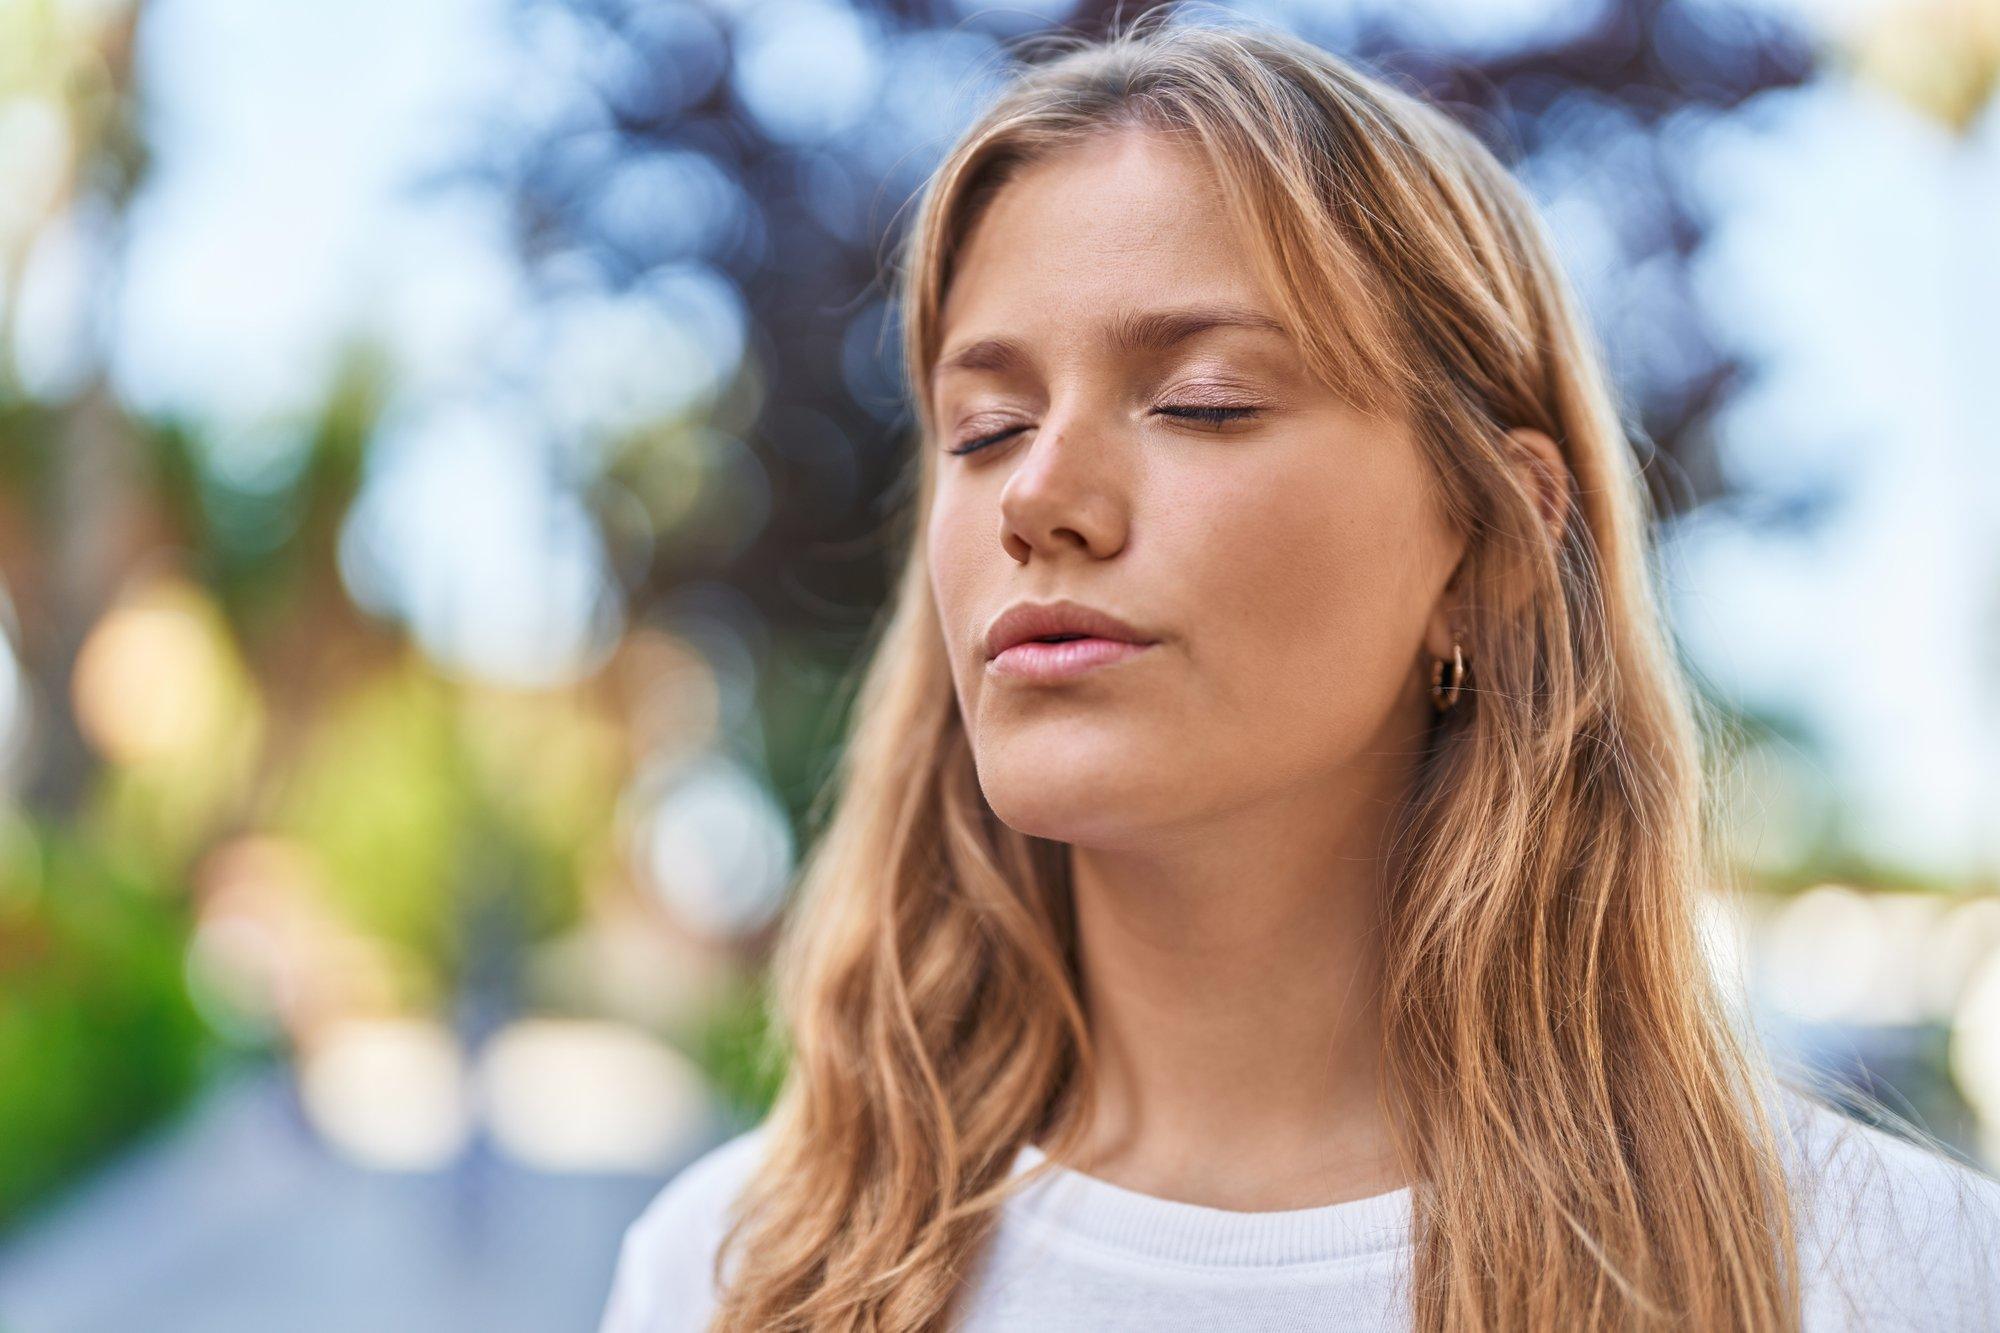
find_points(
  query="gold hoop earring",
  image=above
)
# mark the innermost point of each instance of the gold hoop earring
(1442, 699)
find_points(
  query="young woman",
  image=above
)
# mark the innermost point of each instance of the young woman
(1263, 886)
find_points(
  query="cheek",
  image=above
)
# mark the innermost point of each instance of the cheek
(949, 550)
(1309, 581)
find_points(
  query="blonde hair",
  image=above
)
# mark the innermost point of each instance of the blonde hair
(1590, 1120)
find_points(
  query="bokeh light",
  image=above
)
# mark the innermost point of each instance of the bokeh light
(712, 842)
(578, 1095)
(392, 1093)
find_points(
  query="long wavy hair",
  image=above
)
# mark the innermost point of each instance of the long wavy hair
(1588, 1116)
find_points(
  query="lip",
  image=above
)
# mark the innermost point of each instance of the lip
(1012, 648)
(1033, 661)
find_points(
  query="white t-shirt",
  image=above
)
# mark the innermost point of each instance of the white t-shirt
(1894, 1239)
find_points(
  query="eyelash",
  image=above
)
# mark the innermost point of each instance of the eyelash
(1211, 416)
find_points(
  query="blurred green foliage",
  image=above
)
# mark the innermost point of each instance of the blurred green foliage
(741, 1050)
(98, 1036)
(265, 543)
(420, 796)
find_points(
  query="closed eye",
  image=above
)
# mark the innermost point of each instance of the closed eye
(974, 445)
(1213, 416)
(1206, 415)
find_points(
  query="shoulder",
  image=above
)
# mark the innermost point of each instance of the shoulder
(1892, 1233)
(662, 1282)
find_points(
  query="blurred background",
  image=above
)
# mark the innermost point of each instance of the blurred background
(445, 454)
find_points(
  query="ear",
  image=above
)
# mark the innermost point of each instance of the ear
(1547, 475)
(1442, 628)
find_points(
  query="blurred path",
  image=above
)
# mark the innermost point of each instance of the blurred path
(240, 1221)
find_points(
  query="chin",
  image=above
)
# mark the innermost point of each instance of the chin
(1067, 794)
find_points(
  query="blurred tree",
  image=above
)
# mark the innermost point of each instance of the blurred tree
(66, 75)
(775, 147)
(196, 663)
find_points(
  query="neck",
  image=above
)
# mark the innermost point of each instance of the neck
(1230, 975)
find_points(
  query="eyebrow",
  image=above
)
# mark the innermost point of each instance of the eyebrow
(1129, 331)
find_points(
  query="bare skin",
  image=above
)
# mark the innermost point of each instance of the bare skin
(1225, 793)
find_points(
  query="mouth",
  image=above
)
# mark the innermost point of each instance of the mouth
(1053, 624)
(1061, 657)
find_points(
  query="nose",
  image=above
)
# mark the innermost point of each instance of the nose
(1065, 493)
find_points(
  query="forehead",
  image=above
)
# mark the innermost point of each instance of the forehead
(1122, 221)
